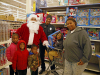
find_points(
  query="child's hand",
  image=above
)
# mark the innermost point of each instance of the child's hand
(15, 70)
(80, 63)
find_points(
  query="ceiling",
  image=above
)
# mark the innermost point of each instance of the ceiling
(19, 7)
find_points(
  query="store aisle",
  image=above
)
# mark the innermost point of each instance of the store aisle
(84, 73)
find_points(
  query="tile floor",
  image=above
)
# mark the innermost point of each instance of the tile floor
(59, 71)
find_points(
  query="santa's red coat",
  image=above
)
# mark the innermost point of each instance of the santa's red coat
(23, 32)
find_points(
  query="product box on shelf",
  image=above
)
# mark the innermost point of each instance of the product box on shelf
(53, 19)
(71, 11)
(95, 21)
(5, 71)
(93, 47)
(82, 21)
(93, 33)
(76, 2)
(52, 38)
(64, 31)
(1, 56)
(94, 12)
(1, 72)
(83, 12)
(60, 19)
(4, 56)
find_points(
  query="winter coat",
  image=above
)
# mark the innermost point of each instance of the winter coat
(10, 51)
(20, 59)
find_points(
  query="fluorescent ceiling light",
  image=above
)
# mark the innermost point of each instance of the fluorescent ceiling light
(11, 6)
(20, 2)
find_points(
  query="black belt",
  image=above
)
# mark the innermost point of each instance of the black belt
(29, 46)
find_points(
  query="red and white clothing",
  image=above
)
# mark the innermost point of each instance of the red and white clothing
(24, 33)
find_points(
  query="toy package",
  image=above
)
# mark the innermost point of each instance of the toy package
(52, 38)
(94, 12)
(71, 11)
(5, 71)
(76, 2)
(93, 47)
(64, 31)
(4, 56)
(1, 72)
(1, 56)
(83, 12)
(93, 33)
(95, 21)
(82, 21)
(60, 19)
(53, 19)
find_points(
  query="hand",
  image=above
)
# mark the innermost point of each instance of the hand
(15, 70)
(80, 63)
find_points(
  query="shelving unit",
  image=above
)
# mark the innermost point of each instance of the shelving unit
(5, 42)
(7, 64)
(94, 62)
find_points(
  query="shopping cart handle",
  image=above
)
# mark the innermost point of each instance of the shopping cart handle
(51, 47)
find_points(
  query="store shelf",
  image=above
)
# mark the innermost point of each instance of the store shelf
(89, 26)
(95, 40)
(57, 23)
(12, 21)
(5, 42)
(7, 64)
(63, 8)
(93, 67)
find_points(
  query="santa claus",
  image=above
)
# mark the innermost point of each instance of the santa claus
(32, 32)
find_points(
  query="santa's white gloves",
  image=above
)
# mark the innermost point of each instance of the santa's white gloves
(45, 43)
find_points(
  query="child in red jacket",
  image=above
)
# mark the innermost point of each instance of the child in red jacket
(11, 50)
(20, 59)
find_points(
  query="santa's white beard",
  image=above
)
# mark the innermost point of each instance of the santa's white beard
(33, 27)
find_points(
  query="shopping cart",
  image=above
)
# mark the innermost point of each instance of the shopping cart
(59, 60)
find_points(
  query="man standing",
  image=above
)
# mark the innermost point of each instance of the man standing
(32, 32)
(48, 29)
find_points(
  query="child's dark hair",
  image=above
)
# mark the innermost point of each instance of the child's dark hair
(49, 16)
(72, 19)
(14, 34)
(34, 46)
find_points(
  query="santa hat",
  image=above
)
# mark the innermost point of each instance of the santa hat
(34, 16)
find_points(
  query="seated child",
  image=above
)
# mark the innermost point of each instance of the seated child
(34, 60)
(11, 50)
(58, 44)
(20, 58)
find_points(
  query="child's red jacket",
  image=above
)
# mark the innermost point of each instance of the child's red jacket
(20, 59)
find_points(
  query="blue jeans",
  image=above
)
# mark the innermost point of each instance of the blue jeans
(72, 68)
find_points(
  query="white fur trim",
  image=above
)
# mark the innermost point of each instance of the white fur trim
(45, 43)
(31, 38)
(33, 15)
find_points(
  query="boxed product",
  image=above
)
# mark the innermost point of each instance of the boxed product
(53, 19)
(71, 11)
(82, 21)
(60, 19)
(1, 56)
(76, 2)
(83, 12)
(93, 48)
(1, 72)
(52, 38)
(5, 71)
(4, 56)
(94, 12)
(95, 20)
(93, 33)
(64, 31)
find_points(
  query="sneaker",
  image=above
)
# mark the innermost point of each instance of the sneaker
(41, 71)
(55, 73)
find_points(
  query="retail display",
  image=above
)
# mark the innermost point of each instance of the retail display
(60, 19)
(76, 2)
(93, 33)
(3, 59)
(4, 71)
(4, 31)
(93, 47)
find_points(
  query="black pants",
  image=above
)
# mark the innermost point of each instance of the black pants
(12, 71)
(22, 72)
(42, 53)
(34, 72)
